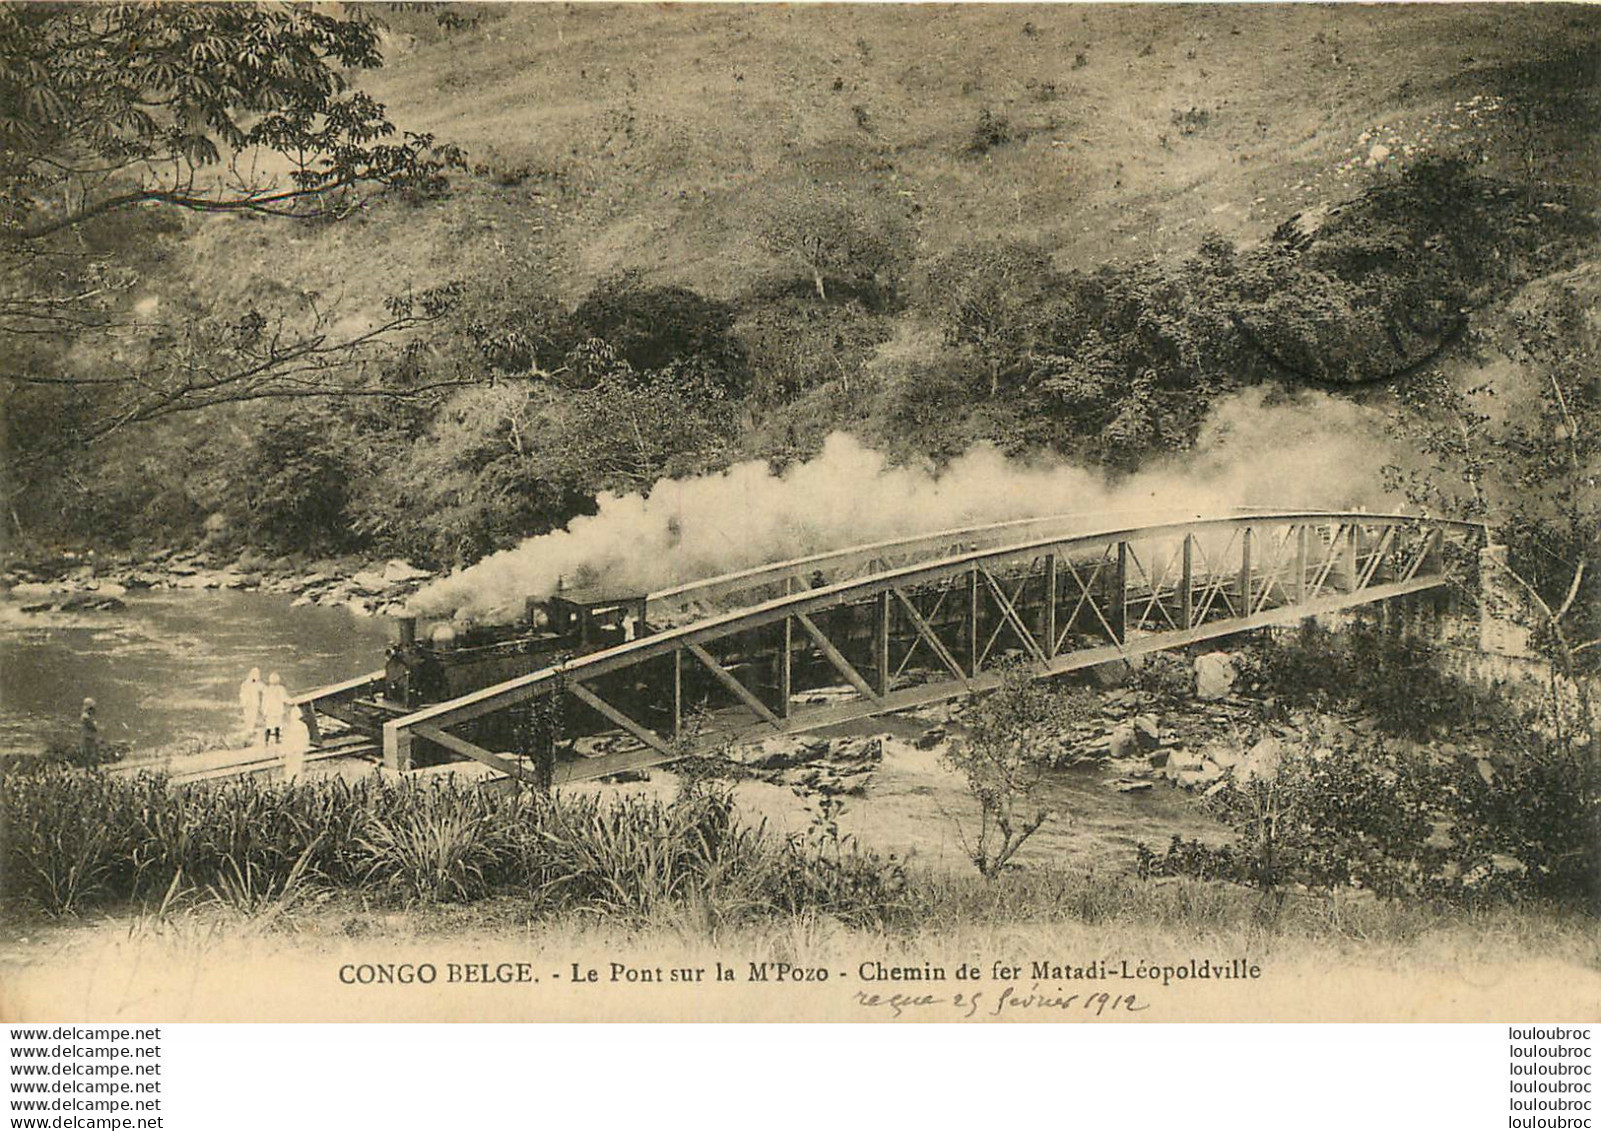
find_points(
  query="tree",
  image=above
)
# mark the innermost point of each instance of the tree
(988, 295)
(212, 107)
(655, 327)
(1530, 468)
(631, 428)
(117, 118)
(834, 235)
(1002, 757)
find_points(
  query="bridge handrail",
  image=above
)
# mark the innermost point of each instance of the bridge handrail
(355, 683)
(777, 571)
(662, 643)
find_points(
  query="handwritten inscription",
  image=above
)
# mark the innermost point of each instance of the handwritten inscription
(1009, 1000)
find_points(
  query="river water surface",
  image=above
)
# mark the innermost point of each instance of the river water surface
(167, 669)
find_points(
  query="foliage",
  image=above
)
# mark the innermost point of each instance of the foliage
(109, 106)
(630, 429)
(296, 479)
(1530, 822)
(795, 345)
(115, 120)
(1329, 817)
(654, 328)
(1011, 734)
(1404, 823)
(854, 239)
(1396, 679)
(988, 295)
(73, 840)
(991, 131)
(828, 872)
(1130, 359)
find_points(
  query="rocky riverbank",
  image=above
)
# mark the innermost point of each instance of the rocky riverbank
(99, 583)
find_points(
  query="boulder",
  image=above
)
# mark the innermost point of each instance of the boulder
(1261, 762)
(824, 695)
(855, 751)
(1147, 731)
(251, 561)
(369, 581)
(1214, 675)
(779, 754)
(1126, 785)
(91, 603)
(397, 572)
(1184, 761)
(1123, 742)
(930, 738)
(1113, 673)
(1207, 775)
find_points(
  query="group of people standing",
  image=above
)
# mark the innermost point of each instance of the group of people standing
(265, 707)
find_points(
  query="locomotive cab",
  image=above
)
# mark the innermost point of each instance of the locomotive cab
(595, 619)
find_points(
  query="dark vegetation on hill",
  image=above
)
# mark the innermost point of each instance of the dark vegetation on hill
(685, 237)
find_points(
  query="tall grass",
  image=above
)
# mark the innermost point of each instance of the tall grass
(71, 840)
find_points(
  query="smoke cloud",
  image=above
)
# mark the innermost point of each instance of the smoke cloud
(1307, 451)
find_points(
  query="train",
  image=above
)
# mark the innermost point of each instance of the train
(455, 658)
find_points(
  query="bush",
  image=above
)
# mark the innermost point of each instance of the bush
(1394, 820)
(1011, 735)
(1397, 680)
(1530, 825)
(993, 130)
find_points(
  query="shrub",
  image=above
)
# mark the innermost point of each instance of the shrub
(1397, 680)
(1530, 824)
(992, 130)
(1394, 820)
(1011, 733)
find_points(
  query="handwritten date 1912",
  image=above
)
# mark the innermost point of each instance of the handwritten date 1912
(1008, 1001)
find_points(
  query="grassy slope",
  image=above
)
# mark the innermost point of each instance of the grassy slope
(653, 136)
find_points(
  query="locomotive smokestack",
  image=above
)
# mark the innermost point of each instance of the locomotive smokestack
(408, 630)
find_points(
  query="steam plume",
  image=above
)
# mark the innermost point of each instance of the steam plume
(1308, 451)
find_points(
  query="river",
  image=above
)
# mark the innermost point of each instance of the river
(167, 669)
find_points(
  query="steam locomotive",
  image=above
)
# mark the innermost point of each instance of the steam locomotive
(455, 658)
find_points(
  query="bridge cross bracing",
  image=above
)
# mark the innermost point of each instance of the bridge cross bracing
(880, 634)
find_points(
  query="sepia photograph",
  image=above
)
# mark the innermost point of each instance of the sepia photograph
(885, 513)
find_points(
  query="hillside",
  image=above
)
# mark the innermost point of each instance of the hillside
(1076, 233)
(651, 138)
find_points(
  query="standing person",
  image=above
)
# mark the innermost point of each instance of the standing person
(250, 702)
(89, 735)
(274, 705)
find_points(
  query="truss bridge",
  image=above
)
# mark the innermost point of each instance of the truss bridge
(824, 640)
